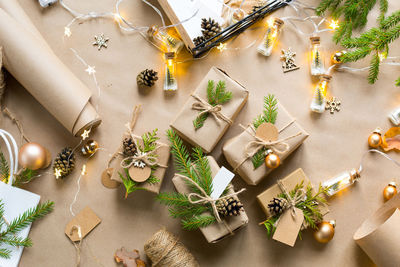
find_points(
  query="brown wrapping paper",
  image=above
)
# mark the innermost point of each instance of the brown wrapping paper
(379, 235)
(289, 182)
(163, 157)
(234, 148)
(208, 136)
(30, 60)
(214, 232)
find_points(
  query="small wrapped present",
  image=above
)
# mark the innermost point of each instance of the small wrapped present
(229, 224)
(281, 203)
(140, 162)
(280, 137)
(210, 110)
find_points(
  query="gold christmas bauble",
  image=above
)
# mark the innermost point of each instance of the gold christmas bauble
(34, 156)
(89, 148)
(325, 231)
(272, 161)
(375, 140)
(389, 191)
(337, 58)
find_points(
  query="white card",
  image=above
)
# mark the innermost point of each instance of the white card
(16, 201)
(221, 181)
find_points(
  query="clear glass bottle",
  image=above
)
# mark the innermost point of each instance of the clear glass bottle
(164, 40)
(170, 83)
(341, 181)
(394, 116)
(318, 102)
(270, 37)
(317, 57)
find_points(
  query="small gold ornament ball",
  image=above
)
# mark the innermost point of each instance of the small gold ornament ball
(375, 140)
(34, 156)
(337, 58)
(389, 191)
(325, 232)
(272, 161)
(89, 148)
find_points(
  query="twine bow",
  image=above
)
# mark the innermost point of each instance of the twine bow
(205, 107)
(204, 198)
(292, 201)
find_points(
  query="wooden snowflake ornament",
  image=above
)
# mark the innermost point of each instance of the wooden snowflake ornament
(333, 105)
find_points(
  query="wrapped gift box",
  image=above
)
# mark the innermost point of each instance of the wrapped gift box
(208, 136)
(235, 148)
(217, 231)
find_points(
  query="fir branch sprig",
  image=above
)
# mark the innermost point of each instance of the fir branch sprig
(23, 177)
(8, 236)
(149, 140)
(199, 171)
(270, 114)
(216, 95)
(310, 207)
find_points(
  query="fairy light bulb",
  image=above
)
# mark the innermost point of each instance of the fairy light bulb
(318, 102)
(334, 24)
(270, 37)
(170, 83)
(394, 116)
(164, 40)
(341, 181)
(317, 57)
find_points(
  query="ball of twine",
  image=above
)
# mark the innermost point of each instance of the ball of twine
(164, 249)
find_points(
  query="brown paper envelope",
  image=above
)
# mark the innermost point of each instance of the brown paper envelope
(86, 219)
(208, 136)
(289, 182)
(214, 232)
(288, 227)
(234, 148)
(379, 235)
(163, 157)
(37, 68)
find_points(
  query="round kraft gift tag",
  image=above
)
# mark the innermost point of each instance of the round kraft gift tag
(139, 174)
(106, 179)
(267, 132)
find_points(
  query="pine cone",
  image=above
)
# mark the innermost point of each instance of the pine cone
(210, 28)
(129, 147)
(277, 205)
(198, 40)
(147, 77)
(64, 163)
(229, 207)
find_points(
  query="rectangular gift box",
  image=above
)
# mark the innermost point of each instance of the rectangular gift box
(163, 157)
(217, 231)
(234, 149)
(194, 10)
(208, 136)
(289, 182)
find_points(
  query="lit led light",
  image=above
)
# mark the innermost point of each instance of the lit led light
(83, 171)
(85, 134)
(221, 47)
(67, 31)
(57, 173)
(90, 70)
(382, 56)
(334, 24)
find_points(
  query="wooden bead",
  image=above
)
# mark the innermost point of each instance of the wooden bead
(389, 191)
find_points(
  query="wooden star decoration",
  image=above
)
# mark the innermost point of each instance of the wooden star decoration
(333, 105)
(85, 134)
(100, 41)
(287, 58)
(221, 47)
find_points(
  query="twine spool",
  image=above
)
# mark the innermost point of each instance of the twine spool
(164, 249)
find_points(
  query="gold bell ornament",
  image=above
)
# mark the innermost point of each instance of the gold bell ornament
(390, 191)
(34, 156)
(375, 139)
(272, 160)
(89, 148)
(325, 231)
(337, 58)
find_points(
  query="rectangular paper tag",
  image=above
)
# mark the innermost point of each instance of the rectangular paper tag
(221, 181)
(288, 227)
(86, 220)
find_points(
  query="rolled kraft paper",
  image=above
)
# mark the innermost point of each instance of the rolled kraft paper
(379, 236)
(37, 68)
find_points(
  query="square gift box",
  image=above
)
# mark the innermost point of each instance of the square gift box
(213, 129)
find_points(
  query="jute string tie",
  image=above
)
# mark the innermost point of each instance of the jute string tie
(205, 108)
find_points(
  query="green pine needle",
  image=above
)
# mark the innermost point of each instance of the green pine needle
(174, 199)
(4, 168)
(217, 96)
(196, 222)
(258, 158)
(5, 253)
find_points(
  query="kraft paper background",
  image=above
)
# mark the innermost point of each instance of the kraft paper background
(335, 144)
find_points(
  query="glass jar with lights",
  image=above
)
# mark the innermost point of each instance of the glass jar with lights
(164, 40)
(341, 181)
(317, 57)
(270, 37)
(318, 102)
(170, 83)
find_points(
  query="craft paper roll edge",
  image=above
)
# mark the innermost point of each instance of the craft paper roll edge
(52, 84)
